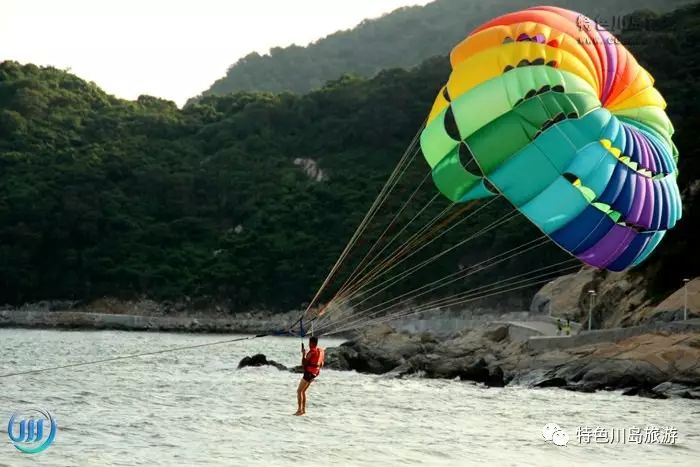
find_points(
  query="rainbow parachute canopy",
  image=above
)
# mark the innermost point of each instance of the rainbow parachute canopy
(547, 108)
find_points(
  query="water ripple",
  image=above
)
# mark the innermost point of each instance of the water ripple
(195, 408)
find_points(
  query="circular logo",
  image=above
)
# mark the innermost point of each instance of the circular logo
(28, 430)
(548, 431)
(560, 438)
(551, 432)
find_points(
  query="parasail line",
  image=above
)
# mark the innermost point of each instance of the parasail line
(393, 221)
(378, 201)
(347, 298)
(406, 313)
(391, 281)
(130, 356)
(359, 282)
(504, 219)
(446, 301)
(351, 286)
(443, 281)
(424, 245)
(525, 247)
(457, 299)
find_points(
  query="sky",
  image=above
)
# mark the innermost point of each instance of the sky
(172, 49)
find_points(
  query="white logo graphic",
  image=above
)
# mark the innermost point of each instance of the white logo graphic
(549, 430)
(552, 432)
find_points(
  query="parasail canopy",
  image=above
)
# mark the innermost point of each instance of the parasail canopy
(547, 108)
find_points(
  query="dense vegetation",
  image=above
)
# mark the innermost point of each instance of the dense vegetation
(403, 38)
(101, 196)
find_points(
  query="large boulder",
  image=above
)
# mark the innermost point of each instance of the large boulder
(466, 368)
(671, 308)
(667, 389)
(260, 360)
(472, 355)
(561, 297)
(650, 365)
(656, 365)
(620, 373)
(377, 351)
(361, 357)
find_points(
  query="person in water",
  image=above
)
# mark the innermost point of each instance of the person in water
(312, 362)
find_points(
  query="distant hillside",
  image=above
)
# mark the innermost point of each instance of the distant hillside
(101, 196)
(402, 39)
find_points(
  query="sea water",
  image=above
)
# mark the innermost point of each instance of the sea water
(194, 408)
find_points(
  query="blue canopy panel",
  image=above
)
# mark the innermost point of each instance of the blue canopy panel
(584, 231)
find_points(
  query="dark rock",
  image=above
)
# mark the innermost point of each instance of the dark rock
(367, 360)
(337, 358)
(671, 389)
(551, 383)
(619, 373)
(279, 366)
(669, 315)
(528, 377)
(497, 334)
(361, 358)
(478, 372)
(400, 371)
(580, 387)
(260, 360)
(491, 356)
(376, 354)
(495, 378)
(464, 368)
(643, 392)
(427, 338)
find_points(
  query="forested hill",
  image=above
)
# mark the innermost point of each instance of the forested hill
(402, 38)
(101, 196)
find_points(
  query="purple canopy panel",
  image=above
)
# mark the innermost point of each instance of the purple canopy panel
(640, 194)
(647, 163)
(647, 214)
(638, 155)
(661, 162)
(664, 204)
(609, 248)
(649, 155)
(677, 211)
(658, 204)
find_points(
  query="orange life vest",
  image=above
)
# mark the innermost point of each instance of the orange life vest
(314, 360)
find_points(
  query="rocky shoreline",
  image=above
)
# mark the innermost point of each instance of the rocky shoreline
(656, 359)
(243, 323)
(660, 364)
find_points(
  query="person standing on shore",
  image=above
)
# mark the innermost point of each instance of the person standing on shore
(312, 362)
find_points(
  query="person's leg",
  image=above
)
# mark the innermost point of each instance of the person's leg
(301, 396)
